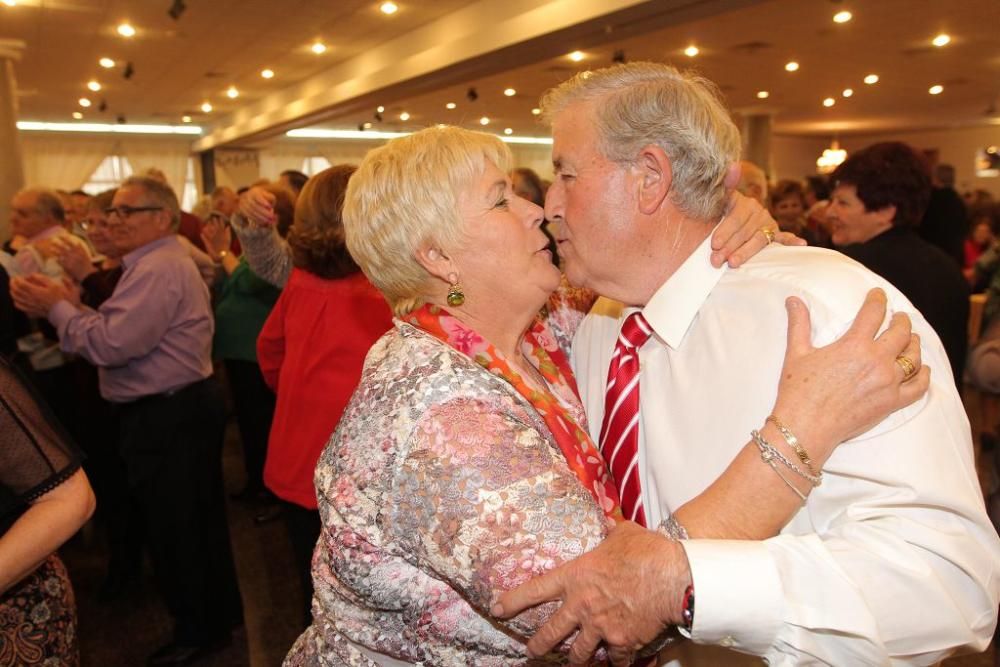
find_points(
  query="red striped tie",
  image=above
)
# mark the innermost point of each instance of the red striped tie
(620, 428)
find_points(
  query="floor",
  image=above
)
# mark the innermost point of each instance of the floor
(124, 631)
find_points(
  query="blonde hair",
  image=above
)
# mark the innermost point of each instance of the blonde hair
(405, 194)
(645, 103)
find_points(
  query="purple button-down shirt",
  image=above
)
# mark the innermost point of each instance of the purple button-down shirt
(154, 334)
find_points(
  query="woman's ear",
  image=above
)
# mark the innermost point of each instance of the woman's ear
(435, 262)
(655, 176)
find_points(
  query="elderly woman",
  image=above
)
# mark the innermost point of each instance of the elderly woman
(462, 465)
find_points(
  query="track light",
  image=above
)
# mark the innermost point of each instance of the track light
(472, 95)
(128, 71)
(176, 9)
(619, 57)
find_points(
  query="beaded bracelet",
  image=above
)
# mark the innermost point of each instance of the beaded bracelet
(767, 452)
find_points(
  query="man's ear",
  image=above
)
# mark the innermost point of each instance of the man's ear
(886, 214)
(655, 176)
(436, 262)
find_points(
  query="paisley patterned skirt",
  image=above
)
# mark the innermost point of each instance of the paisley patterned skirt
(38, 619)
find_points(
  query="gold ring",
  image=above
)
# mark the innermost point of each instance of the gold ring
(905, 363)
(768, 234)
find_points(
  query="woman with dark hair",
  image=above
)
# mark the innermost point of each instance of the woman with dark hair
(44, 499)
(314, 343)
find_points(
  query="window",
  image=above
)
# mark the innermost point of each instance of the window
(109, 174)
(313, 165)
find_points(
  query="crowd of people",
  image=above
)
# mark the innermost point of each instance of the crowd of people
(471, 396)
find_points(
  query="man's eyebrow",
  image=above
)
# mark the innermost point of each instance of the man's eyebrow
(557, 164)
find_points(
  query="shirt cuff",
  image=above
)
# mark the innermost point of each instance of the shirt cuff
(738, 594)
(60, 314)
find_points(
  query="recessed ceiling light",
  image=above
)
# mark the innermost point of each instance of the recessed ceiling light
(935, 90)
(450, 105)
(106, 63)
(232, 93)
(318, 48)
(126, 30)
(389, 8)
(577, 56)
(404, 116)
(691, 51)
(76, 114)
(367, 126)
(84, 102)
(94, 86)
(941, 40)
(791, 66)
(842, 17)
(206, 106)
(10, 3)
(508, 131)
(185, 119)
(871, 79)
(848, 92)
(484, 121)
(380, 109)
(763, 94)
(829, 102)
(510, 92)
(536, 111)
(267, 73)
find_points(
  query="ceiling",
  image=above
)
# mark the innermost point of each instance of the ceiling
(743, 47)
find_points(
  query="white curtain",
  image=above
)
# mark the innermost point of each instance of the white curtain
(63, 162)
(168, 155)
(348, 152)
(236, 167)
(276, 159)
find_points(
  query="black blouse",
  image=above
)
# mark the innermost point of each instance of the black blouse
(36, 454)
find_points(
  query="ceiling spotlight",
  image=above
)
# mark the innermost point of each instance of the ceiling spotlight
(126, 30)
(791, 66)
(577, 56)
(404, 116)
(318, 48)
(361, 127)
(935, 90)
(848, 92)
(84, 102)
(763, 94)
(829, 102)
(450, 105)
(618, 57)
(378, 115)
(471, 95)
(380, 109)
(76, 114)
(842, 17)
(388, 8)
(871, 79)
(206, 106)
(536, 111)
(232, 93)
(10, 3)
(366, 125)
(267, 73)
(128, 71)
(185, 119)
(106, 63)
(103, 106)
(176, 9)
(484, 121)
(508, 131)
(93, 85)
(691, 51)
(121, 119)
(510, 92)
(941, 40)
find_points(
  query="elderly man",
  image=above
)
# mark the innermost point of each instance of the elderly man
(891, 557)
(152, 342)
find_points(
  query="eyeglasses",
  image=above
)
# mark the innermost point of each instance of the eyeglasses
(126, 212)
(89, 225)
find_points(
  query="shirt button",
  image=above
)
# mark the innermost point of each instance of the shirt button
(727, 642)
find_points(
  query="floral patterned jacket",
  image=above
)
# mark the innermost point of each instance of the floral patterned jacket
(440, 489)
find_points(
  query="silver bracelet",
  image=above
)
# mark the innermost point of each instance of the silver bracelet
(774, 466)
(673, 529)
(767, 452)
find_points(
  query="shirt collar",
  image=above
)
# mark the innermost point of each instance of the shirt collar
(131, 258)
(673, 307)
(48, 232)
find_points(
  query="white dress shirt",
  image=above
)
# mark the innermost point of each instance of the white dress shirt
(892, 560)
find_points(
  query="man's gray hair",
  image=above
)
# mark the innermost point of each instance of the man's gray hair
(643, 103)
(161, 194)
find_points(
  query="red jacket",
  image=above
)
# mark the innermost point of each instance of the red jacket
(311, 351)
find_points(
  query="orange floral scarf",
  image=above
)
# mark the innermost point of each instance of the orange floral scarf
(582, 456)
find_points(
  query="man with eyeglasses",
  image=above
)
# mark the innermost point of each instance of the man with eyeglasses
(152, 341)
